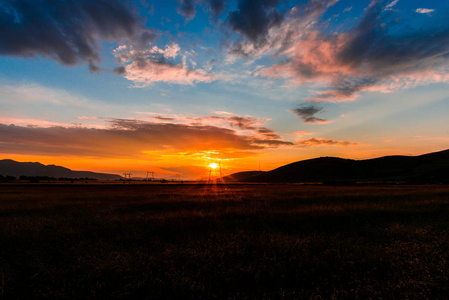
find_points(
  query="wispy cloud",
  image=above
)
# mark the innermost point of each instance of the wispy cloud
(392, 4)
(33, 93)
(424, 10)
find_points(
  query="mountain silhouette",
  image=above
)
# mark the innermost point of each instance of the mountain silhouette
(10, 167)
(427, 168)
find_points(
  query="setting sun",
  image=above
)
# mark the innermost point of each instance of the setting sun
(213, 165)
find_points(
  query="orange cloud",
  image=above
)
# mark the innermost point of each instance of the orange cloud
(128, 139)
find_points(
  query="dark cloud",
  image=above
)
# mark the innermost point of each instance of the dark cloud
(94, 69)
(217, 7)
(323, 142)
(243, 123)
(254, 18)
(120, 70)
(67, 31)
(268, 133)
(159, 118)
(344, 90)
(307, 113)
(272, 143)
(187, 8)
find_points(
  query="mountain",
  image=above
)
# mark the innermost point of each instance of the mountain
(10, 167)
(432, 167)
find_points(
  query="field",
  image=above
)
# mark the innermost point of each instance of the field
(225, 241)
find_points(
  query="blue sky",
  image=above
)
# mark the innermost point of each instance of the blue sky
(170, 86)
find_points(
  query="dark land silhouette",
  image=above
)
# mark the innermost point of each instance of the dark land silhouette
(427, 168)
(10, 167)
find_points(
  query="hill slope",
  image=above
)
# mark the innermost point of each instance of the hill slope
(10, 167)
(432, 167)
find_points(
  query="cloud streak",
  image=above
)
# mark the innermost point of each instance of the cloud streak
(323, 142)
(424, 10)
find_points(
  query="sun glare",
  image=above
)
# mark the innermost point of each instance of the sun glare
(213, 165)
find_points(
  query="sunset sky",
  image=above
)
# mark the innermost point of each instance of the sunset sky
(172, 86)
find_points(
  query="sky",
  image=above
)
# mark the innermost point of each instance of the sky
(172, 86)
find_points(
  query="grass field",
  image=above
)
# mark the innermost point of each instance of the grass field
(231, 242)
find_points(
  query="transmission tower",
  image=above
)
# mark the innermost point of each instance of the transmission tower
(127, 176)
(148, 176)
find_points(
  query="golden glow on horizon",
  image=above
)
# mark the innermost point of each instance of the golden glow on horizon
(194, 165)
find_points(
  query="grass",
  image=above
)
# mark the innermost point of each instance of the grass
(225, 242)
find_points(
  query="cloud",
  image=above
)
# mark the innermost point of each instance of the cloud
(323, 142)
(154, 71)
(124, 138)
(424, 10)
(371, 56)
(392, 4)
(266, 31)
(217, 7)
(307, 113)
(187, 8)
(145, 67)
(246, 123)
(119, 70)
(67, 31)
(254, 18)
(164, 119)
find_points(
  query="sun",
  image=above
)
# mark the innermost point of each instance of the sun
(213, 165)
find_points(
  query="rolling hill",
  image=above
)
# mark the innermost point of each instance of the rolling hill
(10, 167)
(427, 168)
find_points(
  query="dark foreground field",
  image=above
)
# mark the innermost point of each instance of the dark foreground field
(237, 242)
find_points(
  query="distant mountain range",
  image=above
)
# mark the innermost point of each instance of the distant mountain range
(427, 168)
(10, 167)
